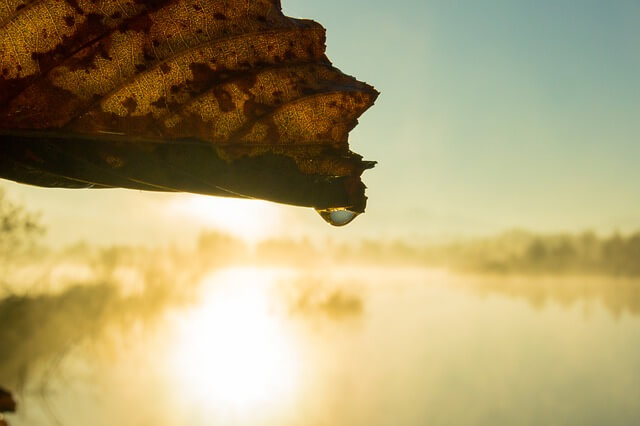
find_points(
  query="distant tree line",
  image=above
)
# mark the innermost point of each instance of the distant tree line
(524, 252)
(513, 252)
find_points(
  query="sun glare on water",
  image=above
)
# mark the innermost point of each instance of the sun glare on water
(233, 353)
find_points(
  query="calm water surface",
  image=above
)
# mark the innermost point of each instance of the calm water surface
(343, 346)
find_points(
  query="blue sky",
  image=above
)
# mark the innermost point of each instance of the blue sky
(492, 115)
(495, 114)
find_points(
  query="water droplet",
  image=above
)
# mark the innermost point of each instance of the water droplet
(338, 217)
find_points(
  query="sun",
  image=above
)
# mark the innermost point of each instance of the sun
(251, 220)
(233, 352)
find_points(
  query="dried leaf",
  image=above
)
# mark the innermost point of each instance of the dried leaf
(7, 403)
(209, 96)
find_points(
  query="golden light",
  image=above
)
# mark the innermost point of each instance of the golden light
(233, 352)
(251, 220)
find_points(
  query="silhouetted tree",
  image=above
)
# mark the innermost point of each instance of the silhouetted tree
(18, 227)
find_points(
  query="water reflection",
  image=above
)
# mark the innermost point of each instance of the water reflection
(294, 345)
(618, 295)
(233, 351)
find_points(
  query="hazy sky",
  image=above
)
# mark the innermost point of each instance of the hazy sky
(493, 115)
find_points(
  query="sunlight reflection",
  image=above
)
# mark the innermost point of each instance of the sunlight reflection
(234, 353)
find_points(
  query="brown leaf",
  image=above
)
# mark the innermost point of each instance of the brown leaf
(7, 403)
(116, 93)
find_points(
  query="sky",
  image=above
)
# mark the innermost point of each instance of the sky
(493, 115)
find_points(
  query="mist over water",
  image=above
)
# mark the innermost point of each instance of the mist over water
(291, 332)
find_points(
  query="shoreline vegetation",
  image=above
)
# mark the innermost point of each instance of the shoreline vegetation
(515, 252)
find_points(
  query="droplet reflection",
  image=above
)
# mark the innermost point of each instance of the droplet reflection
(338, 216)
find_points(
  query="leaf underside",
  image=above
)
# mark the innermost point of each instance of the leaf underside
(236, 76)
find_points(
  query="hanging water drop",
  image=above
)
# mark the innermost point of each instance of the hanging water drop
(338, 216)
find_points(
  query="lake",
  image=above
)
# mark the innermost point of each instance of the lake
(327, 345)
